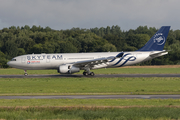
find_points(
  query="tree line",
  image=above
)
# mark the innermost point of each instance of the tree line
(16, 41)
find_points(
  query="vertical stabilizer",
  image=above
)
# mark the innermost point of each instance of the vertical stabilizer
(157, 42)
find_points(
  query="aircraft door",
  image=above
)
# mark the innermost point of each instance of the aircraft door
(23, 60)
(48, 59)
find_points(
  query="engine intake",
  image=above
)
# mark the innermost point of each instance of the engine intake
(68, 69)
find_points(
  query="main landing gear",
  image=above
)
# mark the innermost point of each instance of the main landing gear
(86, 73)
(25, 73)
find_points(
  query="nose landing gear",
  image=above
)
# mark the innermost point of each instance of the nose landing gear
(25, 73)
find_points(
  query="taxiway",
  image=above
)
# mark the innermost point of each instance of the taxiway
(98, 75)
(94, 97)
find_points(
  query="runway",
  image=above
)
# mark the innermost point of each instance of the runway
(95, 97)
(96, 76)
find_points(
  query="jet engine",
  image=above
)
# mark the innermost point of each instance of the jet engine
(68, 69)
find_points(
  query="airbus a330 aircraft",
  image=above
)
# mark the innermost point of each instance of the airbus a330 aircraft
(68, 63)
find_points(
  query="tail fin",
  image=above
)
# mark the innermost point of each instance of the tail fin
(156, 43)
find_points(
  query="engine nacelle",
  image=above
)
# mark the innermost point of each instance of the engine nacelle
(68, 69)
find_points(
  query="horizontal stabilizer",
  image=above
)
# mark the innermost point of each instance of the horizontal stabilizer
(157, 54)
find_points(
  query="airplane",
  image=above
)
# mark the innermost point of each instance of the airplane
(69, 63)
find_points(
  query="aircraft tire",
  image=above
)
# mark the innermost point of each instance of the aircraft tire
(92, 74)
(25, 74)
(85, 73)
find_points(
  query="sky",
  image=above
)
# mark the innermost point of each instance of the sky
(86, 14)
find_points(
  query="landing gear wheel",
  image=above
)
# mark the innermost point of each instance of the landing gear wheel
(85, 73)
(92, 74)
(25, 74)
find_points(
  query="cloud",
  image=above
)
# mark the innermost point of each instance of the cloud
(65, 14)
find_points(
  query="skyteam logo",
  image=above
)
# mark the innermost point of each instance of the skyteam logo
(159, 39)
(124, 59)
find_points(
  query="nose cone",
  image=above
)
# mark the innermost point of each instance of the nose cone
(12, 64)
(9, 63)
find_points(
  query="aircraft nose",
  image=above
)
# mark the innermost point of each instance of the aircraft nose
(9, 63)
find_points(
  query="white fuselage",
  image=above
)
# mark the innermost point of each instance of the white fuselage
(53, 61)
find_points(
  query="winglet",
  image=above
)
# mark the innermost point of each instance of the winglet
(157, 42)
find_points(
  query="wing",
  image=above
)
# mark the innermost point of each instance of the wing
(91, 63)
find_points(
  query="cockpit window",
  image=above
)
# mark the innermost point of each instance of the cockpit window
(13, 60)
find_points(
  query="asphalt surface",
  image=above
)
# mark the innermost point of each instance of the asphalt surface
(95, 97)
(99, 75)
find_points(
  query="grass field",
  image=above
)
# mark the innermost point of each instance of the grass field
(119, 103)
(70, 86)
(144, 113)
(85, 109)
(174, 69)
